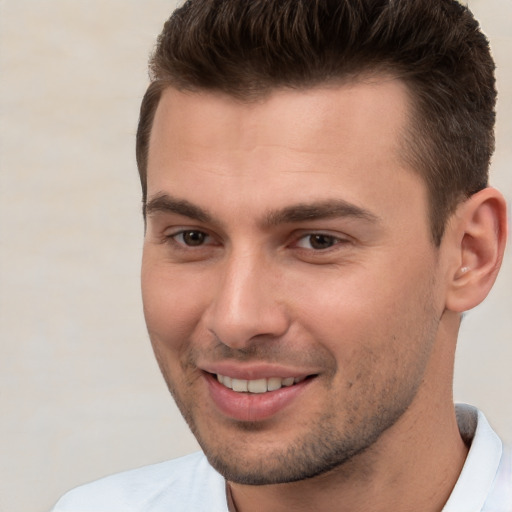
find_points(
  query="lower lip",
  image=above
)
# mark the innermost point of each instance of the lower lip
(252, 406)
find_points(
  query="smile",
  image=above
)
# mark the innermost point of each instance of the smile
(258, 385)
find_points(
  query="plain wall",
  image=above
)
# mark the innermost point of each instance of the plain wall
(80, 393)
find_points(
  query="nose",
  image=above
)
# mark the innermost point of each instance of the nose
(247, 303)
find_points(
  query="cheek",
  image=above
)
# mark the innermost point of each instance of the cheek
(366, 319)
(171, 311)
(173, 306)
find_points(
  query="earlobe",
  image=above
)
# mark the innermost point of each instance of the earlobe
(479, 231)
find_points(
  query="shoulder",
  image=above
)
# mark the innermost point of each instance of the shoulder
(188, 483)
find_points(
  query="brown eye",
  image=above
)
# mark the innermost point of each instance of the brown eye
(191, 238)
(319, 241)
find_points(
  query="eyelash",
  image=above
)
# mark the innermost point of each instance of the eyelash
(185, 232)
(331, 240)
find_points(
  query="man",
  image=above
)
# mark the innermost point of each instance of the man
(318, 218)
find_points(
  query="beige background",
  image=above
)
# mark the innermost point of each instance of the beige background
(80, 394)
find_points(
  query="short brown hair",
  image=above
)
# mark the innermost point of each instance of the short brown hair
(246, 48)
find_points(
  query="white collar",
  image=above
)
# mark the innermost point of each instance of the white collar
(476, 480)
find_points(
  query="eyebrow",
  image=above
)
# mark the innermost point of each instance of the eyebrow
(329, 209)
(300, 212)
(167, 204)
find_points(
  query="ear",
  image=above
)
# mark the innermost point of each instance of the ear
(477, 236)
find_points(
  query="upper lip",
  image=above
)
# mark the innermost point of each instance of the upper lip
(254, 371)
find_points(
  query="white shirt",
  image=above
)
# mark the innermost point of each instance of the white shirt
(485, 482)
(190, 484)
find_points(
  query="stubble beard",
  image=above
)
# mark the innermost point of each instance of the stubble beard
(319, 452)
(323, 448)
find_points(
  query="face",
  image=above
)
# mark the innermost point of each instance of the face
(289, 278)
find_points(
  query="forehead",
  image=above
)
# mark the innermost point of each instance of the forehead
(337, 142)
(355, 112)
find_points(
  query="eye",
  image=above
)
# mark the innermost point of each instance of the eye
(191, 238)
(318, 241)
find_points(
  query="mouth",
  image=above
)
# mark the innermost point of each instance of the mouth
(257, 392)
(258, 386)
(255, 399)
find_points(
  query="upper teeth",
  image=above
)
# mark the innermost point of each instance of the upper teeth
(257, 385)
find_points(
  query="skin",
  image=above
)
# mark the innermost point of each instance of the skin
(244, 269)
